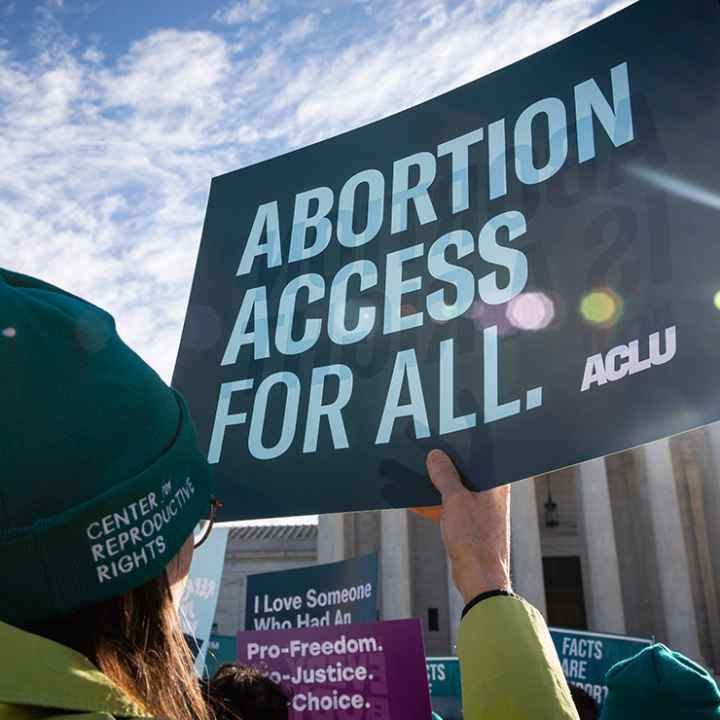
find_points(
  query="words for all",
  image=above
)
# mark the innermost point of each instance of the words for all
(405, 374)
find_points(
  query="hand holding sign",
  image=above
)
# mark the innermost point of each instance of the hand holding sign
(475, 529)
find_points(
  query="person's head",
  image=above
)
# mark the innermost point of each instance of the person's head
(240, 692)
(584, 703)
(659, 684)
(102, 486)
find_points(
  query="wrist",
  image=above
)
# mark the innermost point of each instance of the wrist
(485, 596)
(473, 584)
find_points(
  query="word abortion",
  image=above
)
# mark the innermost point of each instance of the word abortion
(312, 232)
(590, 103)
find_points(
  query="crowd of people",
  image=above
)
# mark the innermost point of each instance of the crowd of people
(102, 485)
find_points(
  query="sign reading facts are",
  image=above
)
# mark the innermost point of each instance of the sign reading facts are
(586, 657)
(339, 593)
(371, 670)
(445, 691)
(522, 271)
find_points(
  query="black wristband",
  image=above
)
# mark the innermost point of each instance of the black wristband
(485, 596)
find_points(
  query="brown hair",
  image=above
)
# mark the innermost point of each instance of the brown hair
(135, 639)
(584, 703)
(241, 692)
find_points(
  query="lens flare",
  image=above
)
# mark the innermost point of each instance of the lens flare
(367, 314)
(601, 307)
(716, 300)
(678, 186)
(485, 316)
(9, 332)
(531, 311)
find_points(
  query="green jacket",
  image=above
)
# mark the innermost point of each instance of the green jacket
(41, 679)
(509, 667)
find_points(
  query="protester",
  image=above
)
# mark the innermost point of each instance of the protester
(659, 684)
(584, 703)
(102, 485)
(509, 667)
(239, 692)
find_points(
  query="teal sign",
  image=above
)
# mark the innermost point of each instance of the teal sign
(221, 649)
(444, 681)
(339, 593)
(521, 271)
(199, 601)
(586, 657)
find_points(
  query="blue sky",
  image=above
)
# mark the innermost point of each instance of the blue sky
(115, 114)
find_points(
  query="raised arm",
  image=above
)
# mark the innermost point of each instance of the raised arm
(508, 663)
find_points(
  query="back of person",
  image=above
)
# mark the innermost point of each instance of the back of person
(584, 704)
(102, 485)
(240, 692)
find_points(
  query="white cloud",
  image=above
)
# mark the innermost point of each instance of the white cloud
(242, 12)
(93, 55)
(167, 75)
(299, 30)
(106, 167)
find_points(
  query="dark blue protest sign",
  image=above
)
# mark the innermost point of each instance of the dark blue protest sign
(587, 656)
(522, 271)
(339, 593)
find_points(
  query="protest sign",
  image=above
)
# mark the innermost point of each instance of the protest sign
(221, 649)
(371, 670)
(197, 607)
(339, 593)
(587, 656)
(521, 271)
(445, 691)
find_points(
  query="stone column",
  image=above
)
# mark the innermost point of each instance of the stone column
(711, 496)
(673, 566)
(597, 532)
(455, 608)
(335, 537)
(526, 566)
(395, 564)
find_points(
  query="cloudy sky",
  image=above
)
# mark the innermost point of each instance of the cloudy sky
(115, 114)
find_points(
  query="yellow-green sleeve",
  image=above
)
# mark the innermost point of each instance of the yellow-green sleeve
(508, 664)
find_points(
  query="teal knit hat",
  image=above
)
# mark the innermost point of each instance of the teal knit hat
(659, 684)
(101, 479)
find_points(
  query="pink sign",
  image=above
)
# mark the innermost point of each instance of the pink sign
(367, 671)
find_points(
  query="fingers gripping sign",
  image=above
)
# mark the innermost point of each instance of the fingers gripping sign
(475, 529)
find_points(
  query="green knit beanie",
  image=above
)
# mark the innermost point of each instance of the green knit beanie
(659, 684)
(101, 479)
